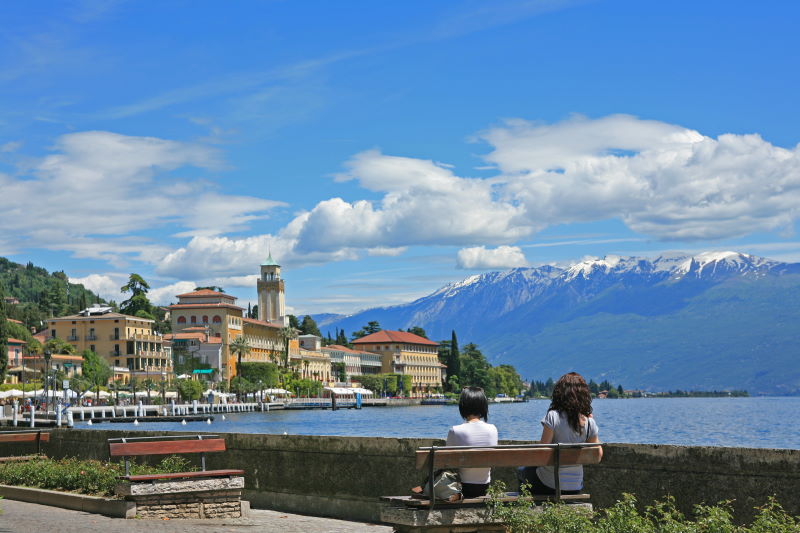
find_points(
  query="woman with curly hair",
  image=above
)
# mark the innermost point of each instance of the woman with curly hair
(568, 420)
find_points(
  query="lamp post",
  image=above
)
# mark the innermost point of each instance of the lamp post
(46, 356)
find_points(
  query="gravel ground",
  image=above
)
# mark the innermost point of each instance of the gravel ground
(22, 517)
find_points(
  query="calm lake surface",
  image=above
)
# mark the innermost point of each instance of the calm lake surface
(746, 422)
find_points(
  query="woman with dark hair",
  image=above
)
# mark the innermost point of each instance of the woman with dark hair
(475, 431)
(568, 420)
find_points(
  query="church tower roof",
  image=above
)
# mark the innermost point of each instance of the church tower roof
(269, 261)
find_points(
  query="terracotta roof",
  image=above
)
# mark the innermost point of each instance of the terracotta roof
(204, 292)
(261, 322)
(195, 328)
(214, 340)
(340, 348)
(16, 341)
(192, 335)
(14, 321)
(104, 316)
(197, 306)
(394, 336)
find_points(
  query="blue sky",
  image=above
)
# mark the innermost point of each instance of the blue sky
(383, 149)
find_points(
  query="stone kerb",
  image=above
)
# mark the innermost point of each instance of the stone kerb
(185, 498)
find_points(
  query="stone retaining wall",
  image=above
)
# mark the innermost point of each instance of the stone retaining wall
(344, 476)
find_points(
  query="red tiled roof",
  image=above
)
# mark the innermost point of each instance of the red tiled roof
(340, 348)
(195, 328)
(192, 335)
(196, 306)
(261, 322)
(14, 321)
(394, 336)
(204, 292)
(214, 340)
(16, 341)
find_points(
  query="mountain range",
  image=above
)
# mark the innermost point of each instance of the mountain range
(710, 321)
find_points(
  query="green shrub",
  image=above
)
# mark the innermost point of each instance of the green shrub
(624, 517)
(84, 476)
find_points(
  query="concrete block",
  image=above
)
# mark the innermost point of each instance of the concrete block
(169, 486)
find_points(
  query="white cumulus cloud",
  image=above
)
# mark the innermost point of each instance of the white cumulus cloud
(166, 294)
(98, 189)
(104, 285)
(480, 257)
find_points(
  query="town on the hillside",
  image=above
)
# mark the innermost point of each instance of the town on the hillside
(207, 340)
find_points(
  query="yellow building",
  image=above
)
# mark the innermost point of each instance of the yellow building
(122, 340)
(225, 322)
(408, 354)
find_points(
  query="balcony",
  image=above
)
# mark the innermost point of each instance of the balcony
(112, 353)
(145, 337)
(72, 338)
(91, 337)
(114, 337)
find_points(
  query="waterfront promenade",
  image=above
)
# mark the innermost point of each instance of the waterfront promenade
(22, 517)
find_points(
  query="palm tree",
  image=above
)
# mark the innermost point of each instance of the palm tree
(149, 384)
(287, 334)
(306, 362)
(239, 347)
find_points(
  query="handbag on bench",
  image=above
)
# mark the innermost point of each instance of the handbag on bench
(446, 487)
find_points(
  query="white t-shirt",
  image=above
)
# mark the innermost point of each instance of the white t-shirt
(477, 433)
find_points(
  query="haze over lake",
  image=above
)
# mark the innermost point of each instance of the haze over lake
(760, 422)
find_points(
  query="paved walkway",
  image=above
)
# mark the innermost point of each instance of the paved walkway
(21, 517)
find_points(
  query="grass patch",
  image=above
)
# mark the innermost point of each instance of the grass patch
(625, 517)
(96, 478)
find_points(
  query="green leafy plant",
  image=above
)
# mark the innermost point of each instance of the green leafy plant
(84, 476)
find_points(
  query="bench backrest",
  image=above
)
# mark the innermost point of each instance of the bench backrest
(139, 446)
(26, 436)
(506, 457)
(165, 447)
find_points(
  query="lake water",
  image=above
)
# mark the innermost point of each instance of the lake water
(747, 422)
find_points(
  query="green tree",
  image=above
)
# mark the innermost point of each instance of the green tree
(239, 347)
(255, 311)
(287, 334)
(475, 370)
(454, 360)
(138, 300)
(265, 373)
(293, 322)
(3, 336)
(189, 389)
(340, 372)
(56, 345)
(372, 327)
(215, 288)
(96, 370)
(416, 330)
(309, 327)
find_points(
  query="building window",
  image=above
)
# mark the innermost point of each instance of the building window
(91, 347)
(217, 319)
(116, 334)
(205, 319)
(193, 320)
(52, 333)
(181, 320)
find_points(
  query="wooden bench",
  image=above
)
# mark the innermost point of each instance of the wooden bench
(411, 514)
(198, 494)
(36, 436)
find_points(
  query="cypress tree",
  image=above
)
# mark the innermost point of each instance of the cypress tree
(3, 336)
(453, 360)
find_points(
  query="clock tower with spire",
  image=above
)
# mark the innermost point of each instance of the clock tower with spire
(271, 299)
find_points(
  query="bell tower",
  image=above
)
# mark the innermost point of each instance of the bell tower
(271, 300)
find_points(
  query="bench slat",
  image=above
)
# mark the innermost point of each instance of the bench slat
(165, 447)
(180, 475)
(510, 497)
(24, 437)
(481, 458)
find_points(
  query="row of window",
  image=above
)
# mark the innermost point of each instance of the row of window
(216, 319)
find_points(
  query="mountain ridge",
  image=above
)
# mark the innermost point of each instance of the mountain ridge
(528, 317)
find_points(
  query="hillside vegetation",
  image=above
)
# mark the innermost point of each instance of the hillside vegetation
(41, 294)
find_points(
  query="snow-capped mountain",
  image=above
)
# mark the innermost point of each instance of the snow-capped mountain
(650, 323)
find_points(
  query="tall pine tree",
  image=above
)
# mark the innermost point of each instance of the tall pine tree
(453, 360)
(3, 336)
